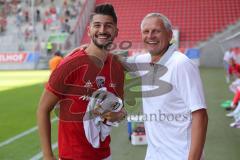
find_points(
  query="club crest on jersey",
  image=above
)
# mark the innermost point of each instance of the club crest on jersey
(100, 80)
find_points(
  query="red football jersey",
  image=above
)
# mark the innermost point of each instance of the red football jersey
(73, 82)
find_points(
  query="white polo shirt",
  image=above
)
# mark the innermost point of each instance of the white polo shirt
(172, 90)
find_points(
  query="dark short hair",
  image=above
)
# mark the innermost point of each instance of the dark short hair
(105, 9)
(58, 53)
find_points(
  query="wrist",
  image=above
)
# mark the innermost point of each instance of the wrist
(122, 114)
(49, 156)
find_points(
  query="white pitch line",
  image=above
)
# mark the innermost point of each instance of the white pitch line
(12, 139)
(40, 154)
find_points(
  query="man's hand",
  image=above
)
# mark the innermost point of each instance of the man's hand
(107, 105)
(105, 101)
(115, 116)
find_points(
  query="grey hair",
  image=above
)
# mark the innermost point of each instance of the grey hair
(166, 21)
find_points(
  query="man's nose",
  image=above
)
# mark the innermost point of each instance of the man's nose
(150, 34)
(102, 29)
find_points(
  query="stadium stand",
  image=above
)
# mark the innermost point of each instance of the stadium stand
(196, 20)
(27, 26)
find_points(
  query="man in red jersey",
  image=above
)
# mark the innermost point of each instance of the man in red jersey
(73, 82)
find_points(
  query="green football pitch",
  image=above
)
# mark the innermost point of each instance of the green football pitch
(20, 92)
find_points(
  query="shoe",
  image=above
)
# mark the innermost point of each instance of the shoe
(237, 116)
(235, 125)
(229, 108)
(226, 104)
(231, 114)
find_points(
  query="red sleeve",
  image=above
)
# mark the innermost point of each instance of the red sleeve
(57, 81)
(50, 89)
(230, 70)
(237, 68)
(64, 80)
(236, 97)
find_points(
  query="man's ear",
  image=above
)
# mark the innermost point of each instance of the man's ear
(88, 30)
(116, 34)
(170, 35)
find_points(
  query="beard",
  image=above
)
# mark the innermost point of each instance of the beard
(105, 46)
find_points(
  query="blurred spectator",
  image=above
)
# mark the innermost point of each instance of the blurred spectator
(19, 18)
(26, 15)
(28, 32)
(44, 23)
(49, 48)
(52, 9)
(19, 7)
(42, 46)
(3, 24)
(7, 8)
(21, 47)
(47, 21)
(55, 60)
(37, 47)
(66, 27)
(65, 3)
(67, 13)
(73, 11)
(38, 15)
(226, 61)
(234, 70)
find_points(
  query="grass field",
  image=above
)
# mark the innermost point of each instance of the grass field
(15, 79)
(20, 92)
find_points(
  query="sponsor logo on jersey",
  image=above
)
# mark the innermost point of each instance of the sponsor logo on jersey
(112, 85)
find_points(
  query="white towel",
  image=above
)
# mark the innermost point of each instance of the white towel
(101, 101)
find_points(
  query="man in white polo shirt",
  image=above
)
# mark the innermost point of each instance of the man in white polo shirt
(173, 101)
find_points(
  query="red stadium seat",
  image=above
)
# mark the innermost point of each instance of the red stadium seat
(197, 20)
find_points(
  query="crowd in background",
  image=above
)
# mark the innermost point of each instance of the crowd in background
(42, 17)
